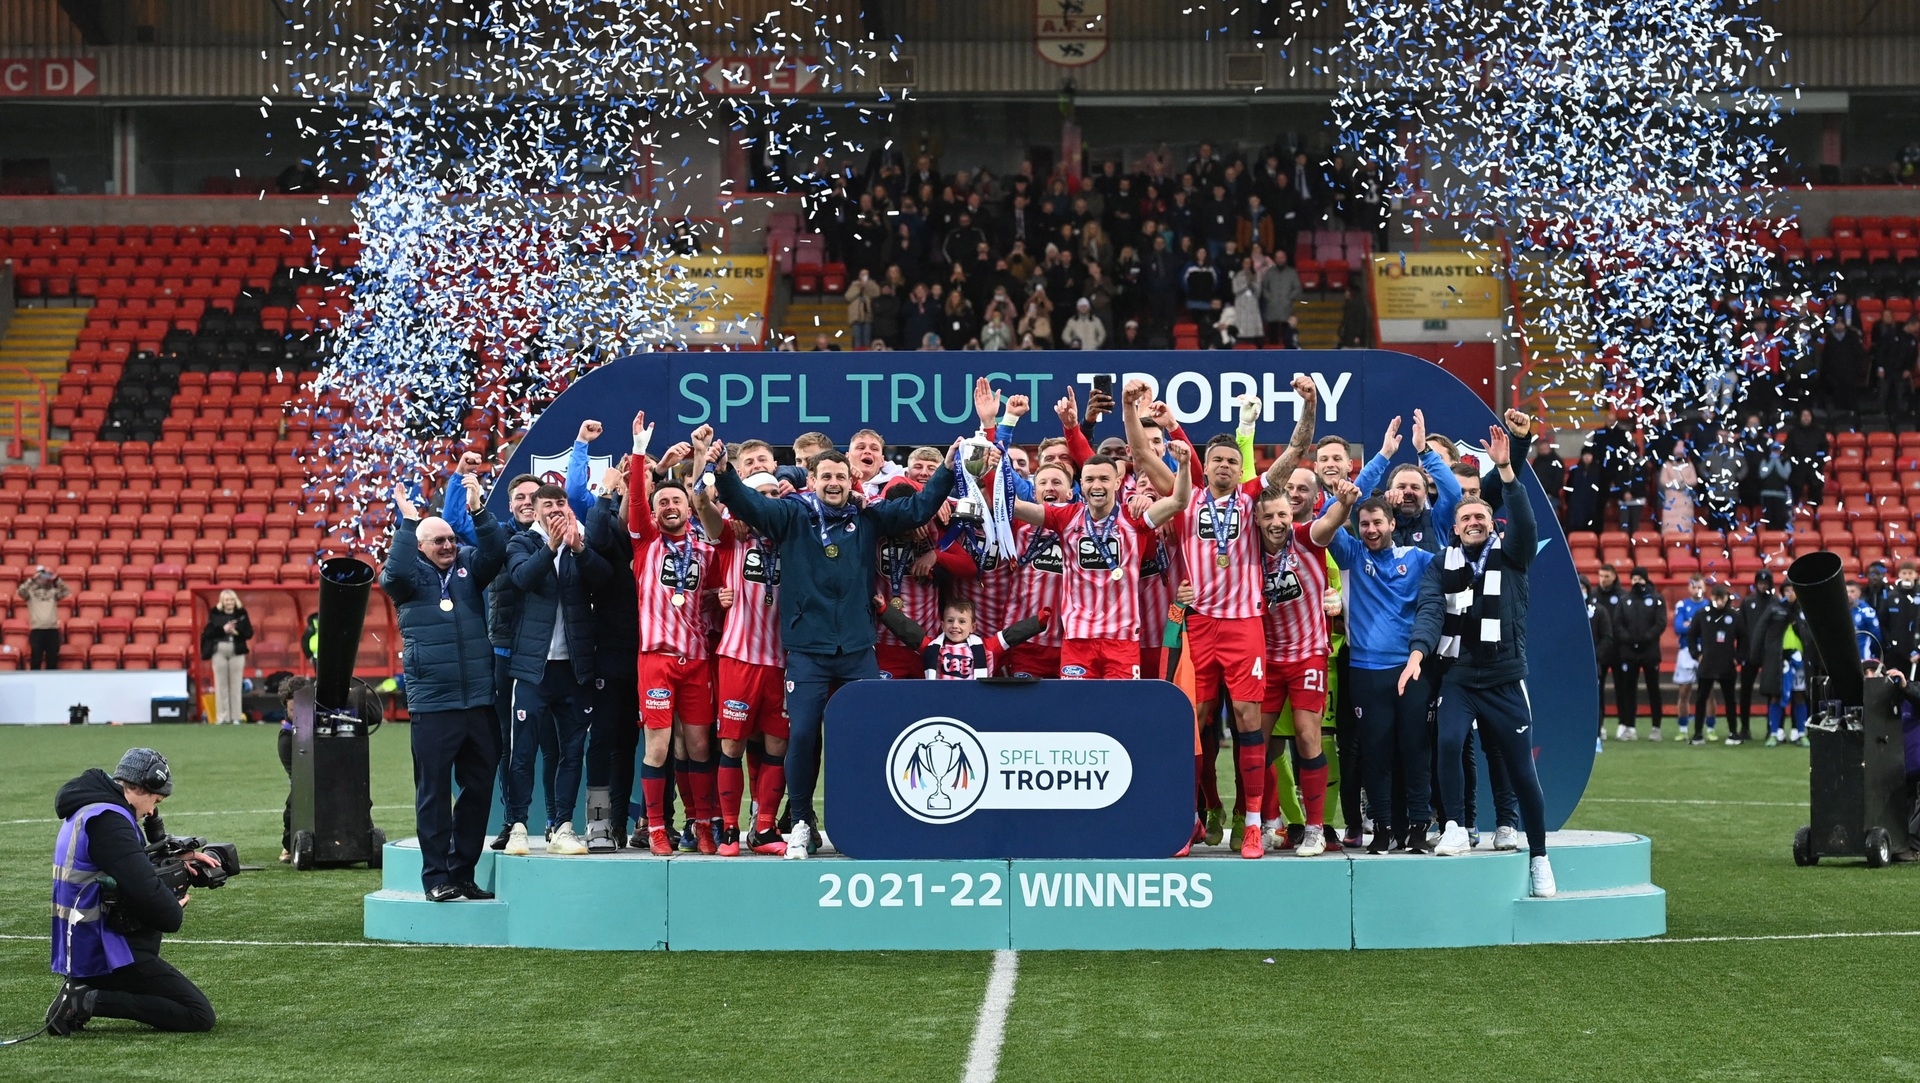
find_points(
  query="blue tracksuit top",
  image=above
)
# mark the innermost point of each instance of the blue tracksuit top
(1683, 611)
(1382, 589)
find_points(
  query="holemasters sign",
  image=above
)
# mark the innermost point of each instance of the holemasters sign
(1435, 286)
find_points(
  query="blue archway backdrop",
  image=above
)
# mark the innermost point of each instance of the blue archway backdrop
(926, 398)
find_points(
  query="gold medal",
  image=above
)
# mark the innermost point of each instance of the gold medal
(1221, 561)
(678, 599)
(898, 602)
(1116, 574)
(833, 551)
(446, 605)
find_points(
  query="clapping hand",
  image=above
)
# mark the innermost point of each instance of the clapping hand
(1498, 447)
(1390, 441)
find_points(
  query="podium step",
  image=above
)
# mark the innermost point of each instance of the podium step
(407, 916)
(1619, 913)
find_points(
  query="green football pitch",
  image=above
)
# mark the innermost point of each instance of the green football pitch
(1768, 972)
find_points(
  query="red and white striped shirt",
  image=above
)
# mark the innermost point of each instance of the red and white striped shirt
(1210, 528)
(920, 598)
(1095, 605)
(1036, 583)
(1294, 586)
(664, 568)
(1161, 572)
(751, 633)
(992, 590)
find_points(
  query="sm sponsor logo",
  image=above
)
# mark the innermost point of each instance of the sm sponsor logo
(941, 770)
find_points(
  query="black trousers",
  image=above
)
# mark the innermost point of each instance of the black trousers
(1749, 675)
(612, 765)
(1609, 669)
(150, 990)
(1627, 693)
(1702, 691)
(286, 763)
(463, 745)
(1393, 735)
(1506, 722)
(43, 648)
(1346, 745)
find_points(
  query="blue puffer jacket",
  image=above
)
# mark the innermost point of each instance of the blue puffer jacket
(448, 662)
(503, 602)
(552, 589)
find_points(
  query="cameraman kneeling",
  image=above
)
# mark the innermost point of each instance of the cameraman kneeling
(110, 908)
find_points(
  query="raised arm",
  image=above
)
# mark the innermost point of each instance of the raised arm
(456, 506)
(1345, 495)
(706, 456)
(1165, 508)
(640, 522)
(403, 556)
(905, 513)
(1302, 439)
(490, 555)
(1523, 532)
(579, 494)
(1149, 465)
(1079, 449)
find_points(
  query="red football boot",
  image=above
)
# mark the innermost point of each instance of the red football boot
(703, 838)
(1251, 844)
(658, 842)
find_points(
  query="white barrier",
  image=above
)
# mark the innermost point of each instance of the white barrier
(121, 695)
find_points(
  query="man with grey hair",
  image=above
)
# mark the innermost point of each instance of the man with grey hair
(438, 588)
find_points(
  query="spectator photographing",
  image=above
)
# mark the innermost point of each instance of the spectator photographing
(44, 593)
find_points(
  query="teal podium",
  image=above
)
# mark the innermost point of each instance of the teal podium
(1215, 899)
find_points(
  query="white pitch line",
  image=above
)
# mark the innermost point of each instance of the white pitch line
(1748, 939)
(990, 1029)
(1687, 801)
(178, 814)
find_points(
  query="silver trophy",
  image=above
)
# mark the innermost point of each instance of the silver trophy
(970, 506)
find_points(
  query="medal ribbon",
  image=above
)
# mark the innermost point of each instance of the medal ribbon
(1101, 533)
(681, 556)
(1222, 529)
(1273, 570)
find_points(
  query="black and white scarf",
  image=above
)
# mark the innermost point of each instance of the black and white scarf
(1467, 593)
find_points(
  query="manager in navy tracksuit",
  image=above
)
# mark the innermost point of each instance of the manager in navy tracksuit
(438, 588)
(1473, 612)
(827, 541)
(555, 573)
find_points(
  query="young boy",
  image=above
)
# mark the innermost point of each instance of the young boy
(958, 654)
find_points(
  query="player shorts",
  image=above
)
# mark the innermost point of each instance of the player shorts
(1300, 685)
(1685, 667)
(1230, 652)
(1031, 660)
(753, 699)
(898, 663)
(1100, 659)
(670, 685)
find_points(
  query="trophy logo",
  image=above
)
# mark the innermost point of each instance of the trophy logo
(937, 770)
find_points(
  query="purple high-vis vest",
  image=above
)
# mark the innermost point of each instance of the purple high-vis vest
(83, 946)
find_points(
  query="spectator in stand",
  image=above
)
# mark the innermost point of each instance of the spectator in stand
(1678, 480)
(1200, 283)
(44, 592)
(1724, 471)
(1896, 356)
(1248, 324)
(823, 344)
(1583, 493)
(1641, 618)
(223, 643)
(1776, 487)
(1280, 292)
(1131, 338)
(920, 317)
(1037, 320)
(1843, 363)
(1807, 455)
(886, 317)
(1255, 227)
(1083, 331)
(861, 293)
(1544, 458)
(997, 333)
(1356, 327)
(1617, 459)
(1161, 273)
(957, 323)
